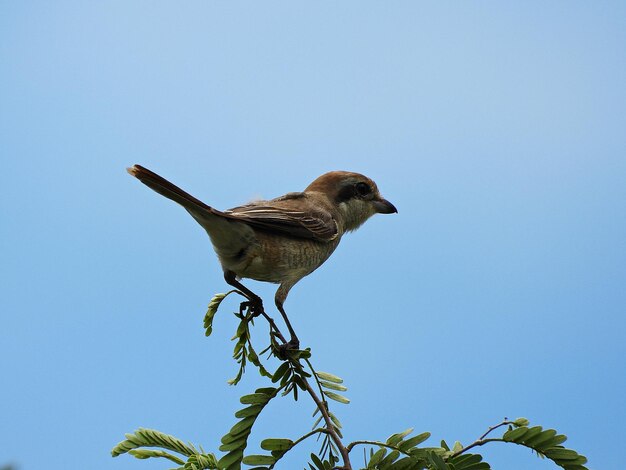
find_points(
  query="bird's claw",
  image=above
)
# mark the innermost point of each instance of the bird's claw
(255, 307)
(292, 345)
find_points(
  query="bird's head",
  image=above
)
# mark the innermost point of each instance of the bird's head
(354, 197)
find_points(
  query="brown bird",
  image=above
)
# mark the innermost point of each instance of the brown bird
(283, 239)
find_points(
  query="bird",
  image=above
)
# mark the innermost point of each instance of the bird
(280, 240)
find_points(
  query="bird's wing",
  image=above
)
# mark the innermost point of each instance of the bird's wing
(290, 215)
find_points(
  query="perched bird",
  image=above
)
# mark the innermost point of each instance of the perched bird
(283, 239)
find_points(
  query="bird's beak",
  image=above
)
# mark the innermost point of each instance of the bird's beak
(383, 206)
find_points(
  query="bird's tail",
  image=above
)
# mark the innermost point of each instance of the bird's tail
(171, 191)
(229, 237)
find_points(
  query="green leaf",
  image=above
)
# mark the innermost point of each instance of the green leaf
(560, 454)
(237, 378)
(276, 444)
(317, 421)
(152, 438)
(149, 453)
(333, 386)
(280, 372)
(238, 350)
(287, 377)
(254, 359)
(252, 356)
(329, 377)
(258, 460)
(377, 457)
(239, 443)
(242, 331)
(337, 397)
(521, 422)
(532, 432)
(255, 399)
(316, 460)
(235, 441)
(231, 459)
(252, 410)
(468, 462)
(414, 441)
(300, 382)
(437, 462)
(305, 353)
(406, 463)
(242, 426)
(201, 461)
(335, 420)
(546, 442)
(535, 441)
(396, 438)
(465, 460)
(229, 438)
(555, 441)
(393, 455)
(212, 310)
(515, 435)
(477, 466)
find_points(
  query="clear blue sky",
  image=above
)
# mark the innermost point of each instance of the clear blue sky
(498, 129)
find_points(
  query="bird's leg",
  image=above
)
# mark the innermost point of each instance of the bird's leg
(256, 305)
(279, 300)
(294, 342)
(254, 302)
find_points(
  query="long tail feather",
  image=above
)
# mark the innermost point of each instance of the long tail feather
(169, 190)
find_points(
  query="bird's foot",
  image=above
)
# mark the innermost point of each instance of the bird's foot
(255, 307)
(292, 345)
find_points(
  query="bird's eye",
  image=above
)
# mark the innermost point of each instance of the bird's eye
(363, 189)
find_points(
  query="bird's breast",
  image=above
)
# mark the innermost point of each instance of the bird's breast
(278, 259)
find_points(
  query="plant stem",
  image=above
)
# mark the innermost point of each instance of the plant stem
(330, 427)
(491, 428)
(476, 443)
(302, 438)
(374, 443)
(317, 381)
(273, 326)
(481, 440)
(320, 403)
(309, 434)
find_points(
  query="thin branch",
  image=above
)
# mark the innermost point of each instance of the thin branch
(273, 326)
(476, 443)
(320, 403)
(492, 428)
(329, 426)
(317, 381)
(300, 439)
(481, 440)
(309, 434)
(374, 443)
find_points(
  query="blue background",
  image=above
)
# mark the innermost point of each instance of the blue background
(497, 129)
